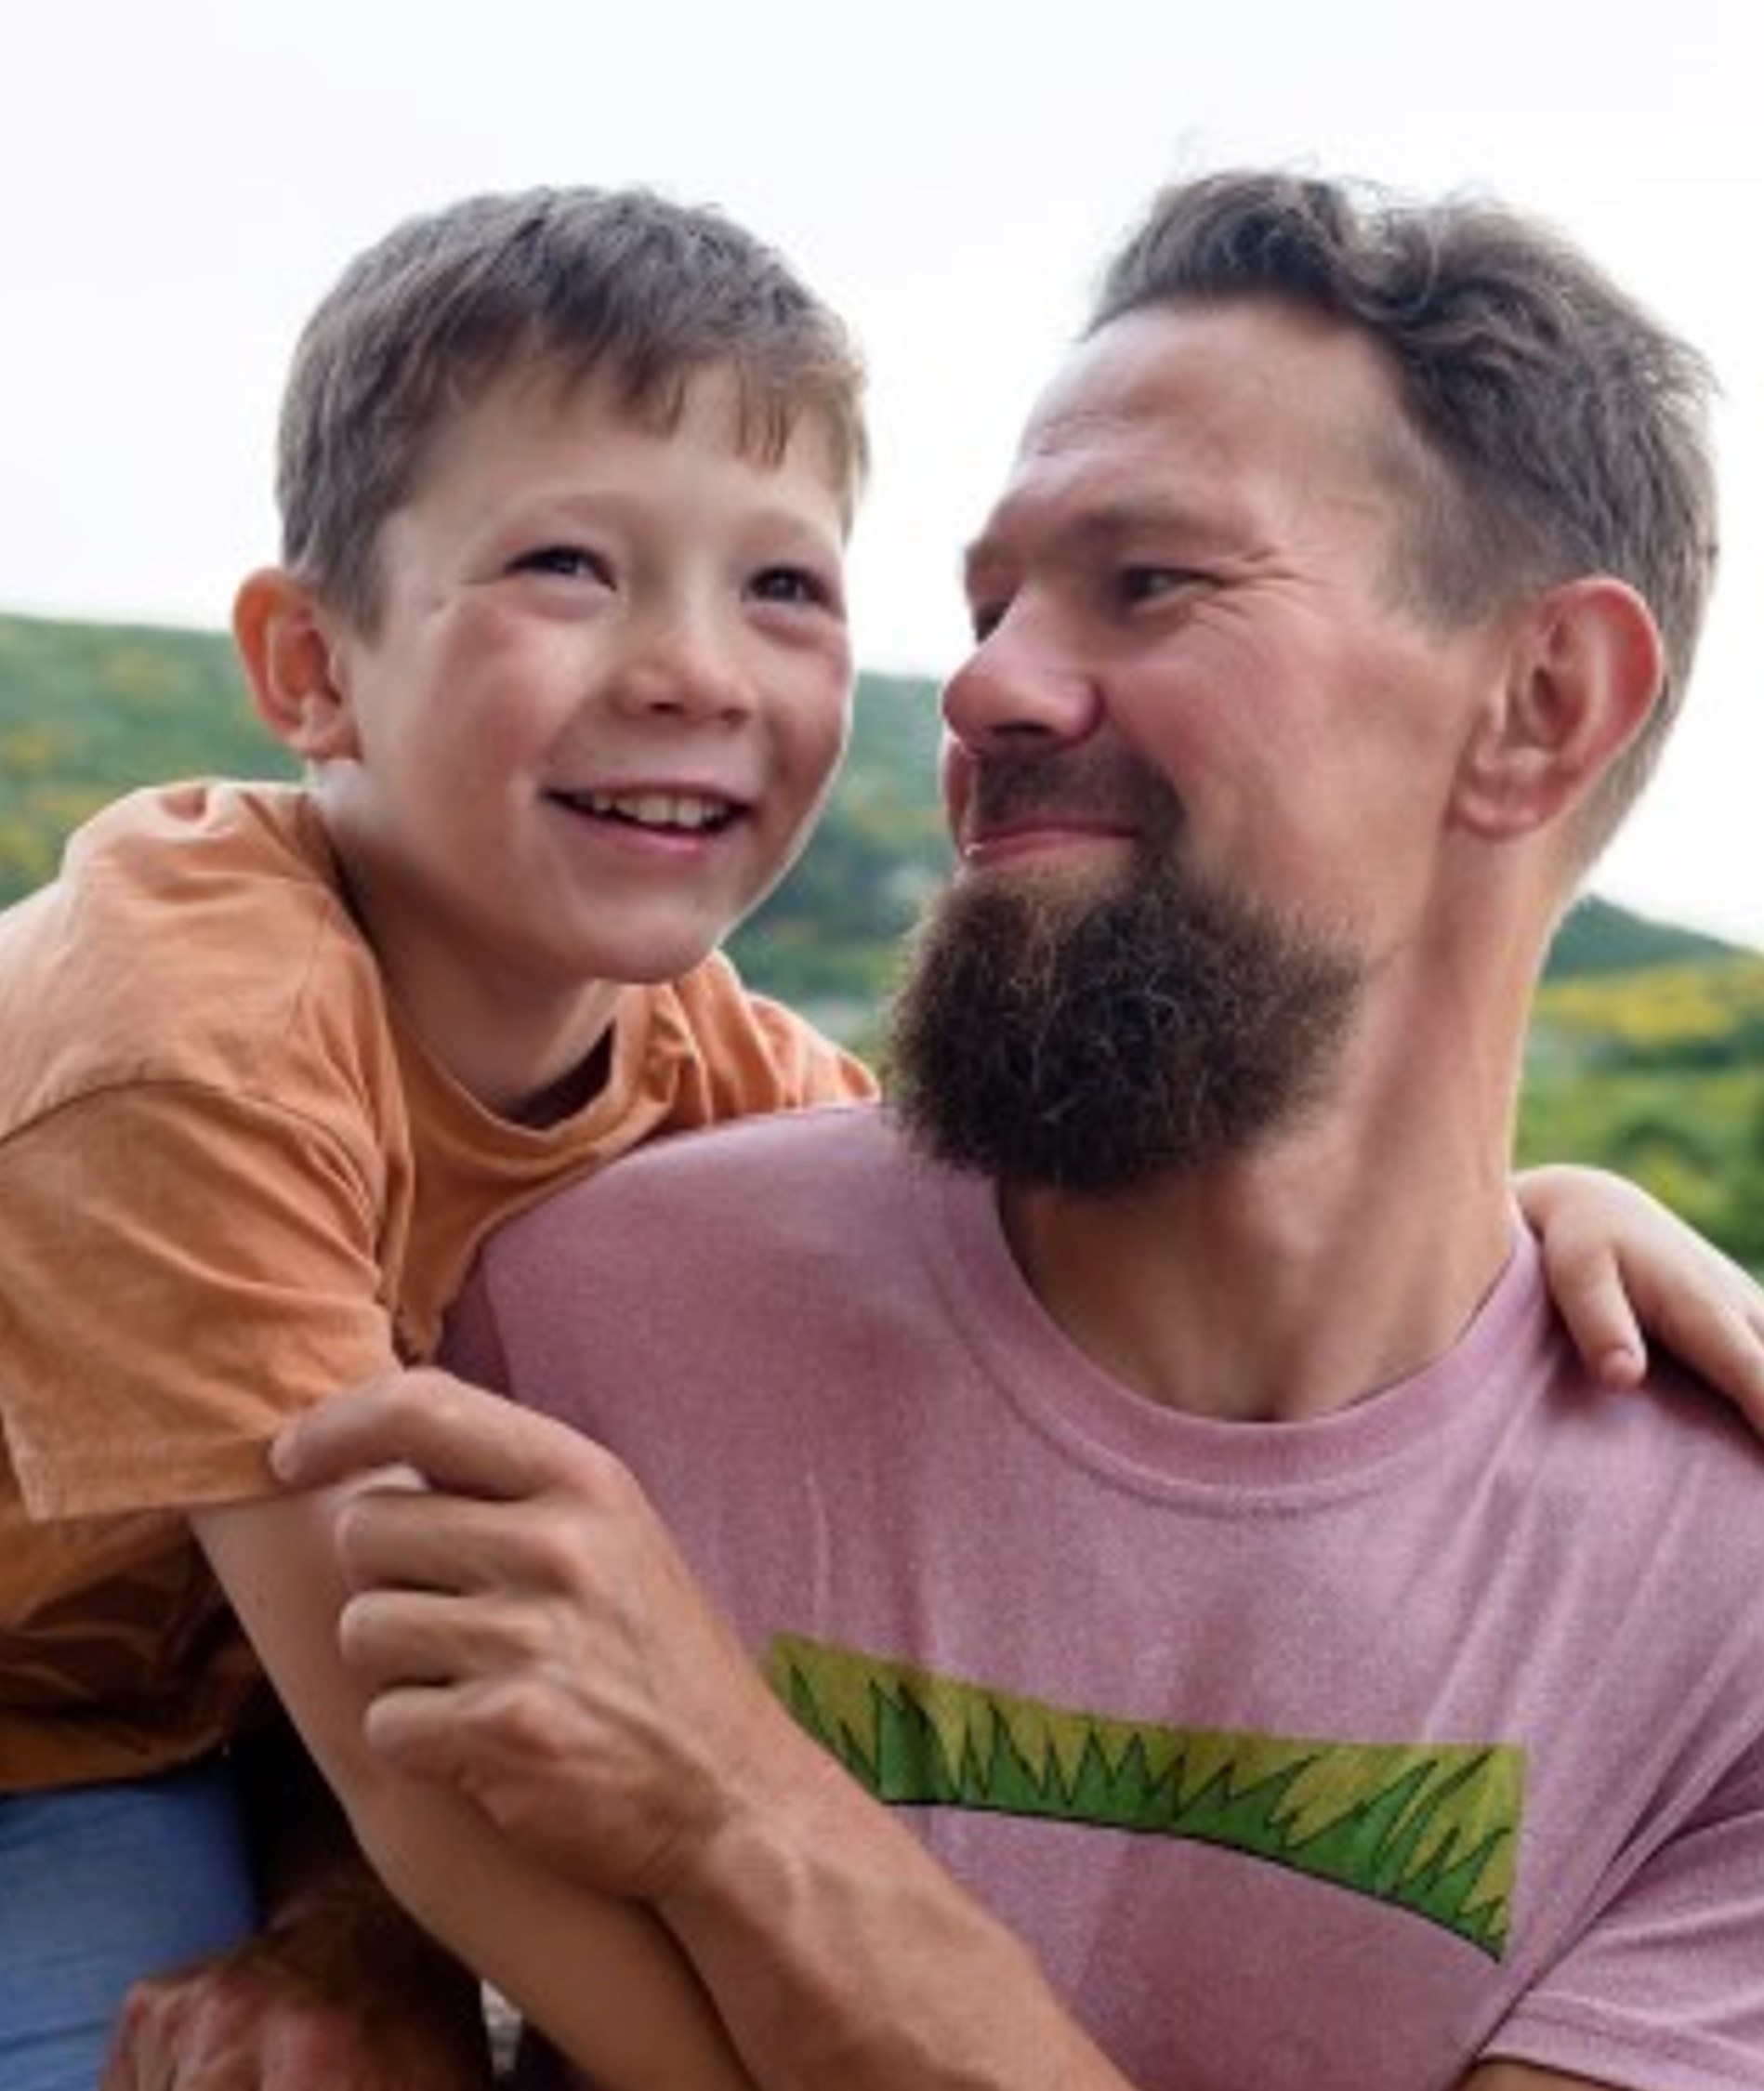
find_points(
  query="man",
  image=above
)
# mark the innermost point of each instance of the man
(1146, 1455)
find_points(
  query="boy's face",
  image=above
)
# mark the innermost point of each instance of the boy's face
(604, 698)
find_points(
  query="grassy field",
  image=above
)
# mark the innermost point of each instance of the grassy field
(1659, 1073)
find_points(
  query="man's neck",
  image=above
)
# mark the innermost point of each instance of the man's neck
(1274, 1290)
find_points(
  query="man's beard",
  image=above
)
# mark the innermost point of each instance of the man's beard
(1055, 1035)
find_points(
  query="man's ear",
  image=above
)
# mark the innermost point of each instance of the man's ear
(288, 645)
(1583, 671)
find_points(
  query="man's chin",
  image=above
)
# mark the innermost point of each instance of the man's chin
(1090, 1035)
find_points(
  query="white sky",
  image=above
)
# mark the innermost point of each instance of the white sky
(179, 181)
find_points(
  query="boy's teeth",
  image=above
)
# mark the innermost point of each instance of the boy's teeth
(657, 809)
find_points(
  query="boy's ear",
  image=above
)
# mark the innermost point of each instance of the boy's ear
(288, 646)
(1583, 671)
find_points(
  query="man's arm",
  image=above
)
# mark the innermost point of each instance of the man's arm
(529, 1635)
(536, 1641)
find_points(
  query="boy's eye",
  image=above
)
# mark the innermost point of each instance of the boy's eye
(789, 585)
(571, 562)
(984, 618)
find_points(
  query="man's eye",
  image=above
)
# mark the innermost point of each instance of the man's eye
(984, 618)
(571, 562)
(1150, 583)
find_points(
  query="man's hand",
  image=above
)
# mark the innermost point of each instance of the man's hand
(532, 1634)
(342, 1990)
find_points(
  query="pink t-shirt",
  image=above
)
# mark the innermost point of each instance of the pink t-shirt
(1331, 1756)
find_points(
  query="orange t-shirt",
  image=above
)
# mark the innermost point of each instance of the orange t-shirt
(232, 1183)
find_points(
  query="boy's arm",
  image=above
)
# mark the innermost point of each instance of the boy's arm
(343, 1991)
(1622, 1269)
(339, 1988)
(601, 1976)
(1521, 2076)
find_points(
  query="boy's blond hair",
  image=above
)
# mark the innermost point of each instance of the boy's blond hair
(577, 282)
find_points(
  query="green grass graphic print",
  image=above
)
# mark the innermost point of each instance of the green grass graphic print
(1432, 1827)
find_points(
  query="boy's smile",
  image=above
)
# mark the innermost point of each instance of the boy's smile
(605, 693)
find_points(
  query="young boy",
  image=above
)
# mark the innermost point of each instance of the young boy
(559, 635)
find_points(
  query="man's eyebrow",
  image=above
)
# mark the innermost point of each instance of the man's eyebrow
(1106, 524)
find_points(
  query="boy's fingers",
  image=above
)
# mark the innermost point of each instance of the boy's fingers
(1591, 1298)
(1723, 1344)
(458, 1438)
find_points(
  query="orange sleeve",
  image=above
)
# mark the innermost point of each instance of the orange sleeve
(181, 1271)
(751, 1054)
(812, 1069)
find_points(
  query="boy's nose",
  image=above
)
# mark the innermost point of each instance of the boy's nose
(682, 664)
(1017, 687)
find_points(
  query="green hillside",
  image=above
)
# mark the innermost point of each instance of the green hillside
(1599, 938)
(1647, 1053)
(827, 940)
(1658, 1072)
(88, 710)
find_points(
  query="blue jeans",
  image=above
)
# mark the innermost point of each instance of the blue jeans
(100, 1886)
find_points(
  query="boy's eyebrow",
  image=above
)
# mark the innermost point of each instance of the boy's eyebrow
(591, 503)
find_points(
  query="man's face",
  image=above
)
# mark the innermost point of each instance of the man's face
(1199, 763)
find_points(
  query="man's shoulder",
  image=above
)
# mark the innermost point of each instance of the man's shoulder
(789, 1184)
(1668, 1473)
(763, 1164)
(1678, 1416)
(1518, 1355)
(696, 1237)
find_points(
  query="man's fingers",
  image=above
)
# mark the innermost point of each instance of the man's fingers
(421, 1729)
(457, 1437)
(391, 1636)
(418, 1540)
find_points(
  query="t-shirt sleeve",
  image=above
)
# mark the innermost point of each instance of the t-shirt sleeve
(181, 1272)
(811, 1068)
(752, 1055)
(1665, 1986)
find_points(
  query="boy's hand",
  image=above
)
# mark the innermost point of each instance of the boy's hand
(344, 1992)
(1622, 1268)
(533, 1635)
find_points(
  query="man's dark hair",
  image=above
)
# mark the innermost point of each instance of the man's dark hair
(1565, 426)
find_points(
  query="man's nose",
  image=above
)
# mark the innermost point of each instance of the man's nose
(1021, 684)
